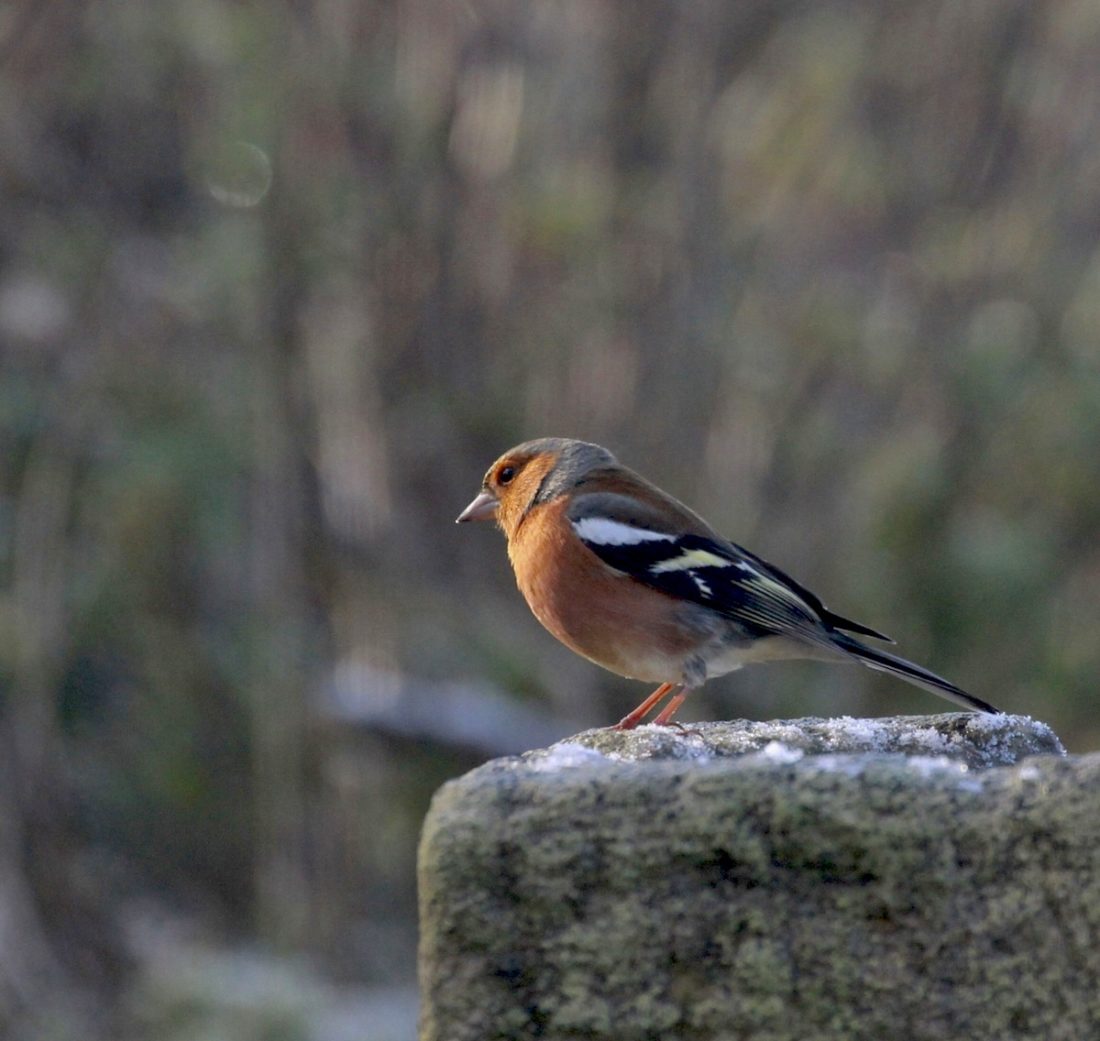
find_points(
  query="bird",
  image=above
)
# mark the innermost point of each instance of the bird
(633, 580)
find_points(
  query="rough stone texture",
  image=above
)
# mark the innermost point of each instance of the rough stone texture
(657, 885)
(976, 740)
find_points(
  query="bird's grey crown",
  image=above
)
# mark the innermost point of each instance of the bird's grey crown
(574, 460)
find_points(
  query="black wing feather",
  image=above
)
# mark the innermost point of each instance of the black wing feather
(735, 585)
(831, 618)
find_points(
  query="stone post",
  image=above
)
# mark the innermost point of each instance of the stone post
(927, 878)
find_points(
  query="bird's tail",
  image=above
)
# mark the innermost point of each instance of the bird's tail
(891, 663)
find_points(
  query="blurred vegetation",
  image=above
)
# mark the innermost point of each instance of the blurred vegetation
(278, 281)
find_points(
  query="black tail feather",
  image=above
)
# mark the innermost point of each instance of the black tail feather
(915, 674)
(835, 621)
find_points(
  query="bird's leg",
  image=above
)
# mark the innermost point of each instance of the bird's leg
(666, 714)
(632, 719)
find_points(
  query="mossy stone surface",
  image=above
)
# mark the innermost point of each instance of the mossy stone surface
(656, 885)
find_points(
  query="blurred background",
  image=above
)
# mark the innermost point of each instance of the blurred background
(278, 282)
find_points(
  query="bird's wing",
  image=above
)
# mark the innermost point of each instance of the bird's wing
(831, 618)
(635, 539)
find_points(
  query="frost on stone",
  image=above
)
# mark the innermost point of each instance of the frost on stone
(979, 741)
(940, 766)
(871, 734)
(778, 752)
(565, 755)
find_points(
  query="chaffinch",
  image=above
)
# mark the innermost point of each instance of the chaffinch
(633, 580)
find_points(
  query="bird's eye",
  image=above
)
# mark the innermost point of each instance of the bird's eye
(505, 474)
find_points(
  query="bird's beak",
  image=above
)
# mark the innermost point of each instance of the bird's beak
(484, 507)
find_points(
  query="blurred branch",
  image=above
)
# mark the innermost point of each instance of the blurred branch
(42, 569)
(276, 682)
(29, 971)
(277, 548)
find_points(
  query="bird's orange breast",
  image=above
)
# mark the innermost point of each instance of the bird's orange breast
(607, 617)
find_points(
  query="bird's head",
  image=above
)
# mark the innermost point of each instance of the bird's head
(532, 473)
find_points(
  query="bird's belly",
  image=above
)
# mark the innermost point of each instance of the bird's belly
(636, 637)
(730, 654)
(623, 648)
